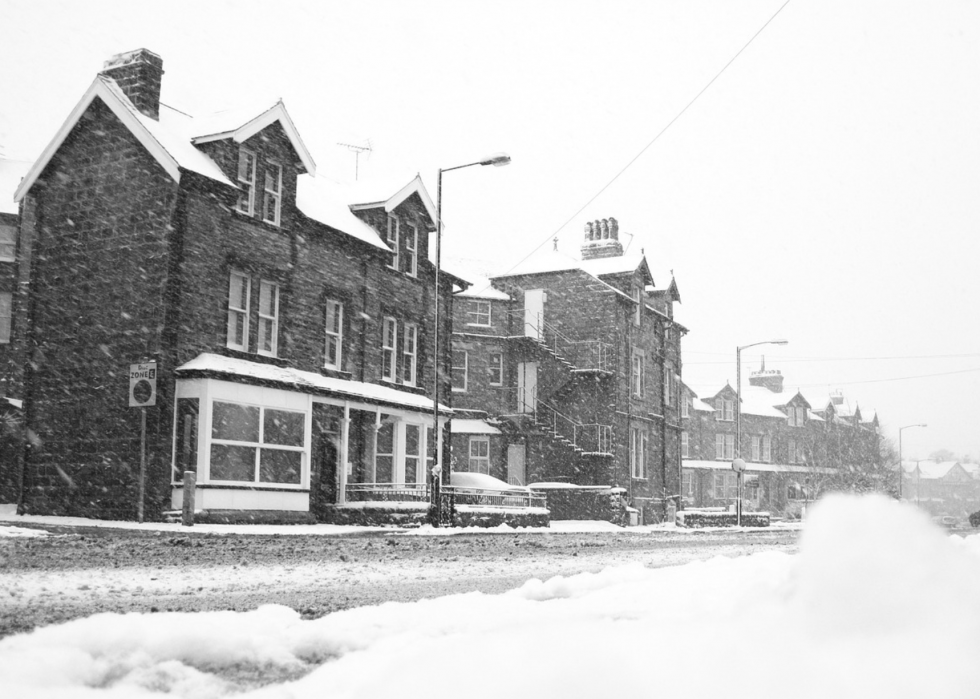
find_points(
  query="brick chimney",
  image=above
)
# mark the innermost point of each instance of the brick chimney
(602, 240)
(138, 73)
(771, 379)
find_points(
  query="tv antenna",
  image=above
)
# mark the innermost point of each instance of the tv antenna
(357, 149)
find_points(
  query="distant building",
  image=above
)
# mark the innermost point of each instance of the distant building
(569, 370)
(795, 449)
(291, 320)
(942, 487)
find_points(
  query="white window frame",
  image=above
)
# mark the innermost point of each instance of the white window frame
(235, 312)
(412, 250)
(685, 445)
(686, 407)
(475, 313)
(724, 446)
(410, 351)
(453, 368)
(246, 183)
(481, 460)
(727, 410)
(268, 321)
(273, 194)
(791, 451)
(687, 484)
(389, 345)
(258, 446)
(756, 447)
(8, 243)
(766, 448)
(637, 295)
(636, 373)
(392, 238)
(6, 316)
(334, 336)
(495, 368)
(638, 449)
(724, 486)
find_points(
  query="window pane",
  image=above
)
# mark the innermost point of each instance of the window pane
(235, 422)
(412, 441)
(232, 463)
(268, 292)
(284, 427)
(280, 466)
(386, 438)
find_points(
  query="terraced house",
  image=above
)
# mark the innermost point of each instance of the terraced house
(568, 370)
(795, 448)
(290, 320)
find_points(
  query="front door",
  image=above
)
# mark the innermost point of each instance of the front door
(533, 313)
(516, 456)
(527, 386)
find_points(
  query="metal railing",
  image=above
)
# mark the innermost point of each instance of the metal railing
(594, 438)
(387, 492)
(504, 499)
(412, 492)
(582, 355)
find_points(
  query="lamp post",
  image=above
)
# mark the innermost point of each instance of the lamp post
(435, 477)
(738, 421)
(901, 467)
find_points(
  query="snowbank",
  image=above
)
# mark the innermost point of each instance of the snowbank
(879, 603)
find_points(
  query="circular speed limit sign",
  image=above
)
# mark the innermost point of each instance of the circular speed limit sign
(142, 391)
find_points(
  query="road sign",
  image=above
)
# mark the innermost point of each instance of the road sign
(142, 385)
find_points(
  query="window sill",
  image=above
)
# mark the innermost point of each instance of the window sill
(336, 373)
(255, 357)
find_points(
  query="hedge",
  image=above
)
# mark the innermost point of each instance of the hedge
(694, 519)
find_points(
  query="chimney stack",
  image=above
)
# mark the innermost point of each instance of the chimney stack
(139, 74)
(602, 240)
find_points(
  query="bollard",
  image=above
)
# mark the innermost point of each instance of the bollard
(190, 485)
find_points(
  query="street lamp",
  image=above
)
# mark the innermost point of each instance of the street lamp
(738, 421)
(901, 467)
(497, 159)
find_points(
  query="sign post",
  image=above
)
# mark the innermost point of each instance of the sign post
(142, 394)
(738, 465)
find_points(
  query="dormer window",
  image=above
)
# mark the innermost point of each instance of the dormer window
(393, 240)
(273, 193)
(246, 182)
(411, 250)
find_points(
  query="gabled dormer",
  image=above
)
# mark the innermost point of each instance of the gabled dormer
(261, 152)
(724, 404)
(797, 410)
(403, 219)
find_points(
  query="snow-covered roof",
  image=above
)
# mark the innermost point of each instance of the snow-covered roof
(11, 173)
(480, 286)
(753, 466)
(308, 380)
(698, 404)
(932, 470)
(327, 201)
(758, 400)
(465, 426)
(370, 194)
(167, 140)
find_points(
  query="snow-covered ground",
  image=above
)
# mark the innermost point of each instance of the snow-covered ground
(878, 603)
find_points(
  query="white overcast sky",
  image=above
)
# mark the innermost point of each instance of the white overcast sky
(823, 189)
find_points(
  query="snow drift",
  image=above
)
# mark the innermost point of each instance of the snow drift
(878, 603)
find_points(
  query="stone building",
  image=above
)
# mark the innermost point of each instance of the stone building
(290, 320)
(568, 370)
(795, 449)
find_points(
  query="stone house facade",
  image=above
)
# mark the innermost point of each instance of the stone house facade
(290, 319)
(794, 449)
(575, 364)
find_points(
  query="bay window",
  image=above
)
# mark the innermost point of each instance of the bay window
(255, 444)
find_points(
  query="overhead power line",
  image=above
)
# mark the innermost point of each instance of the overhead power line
(643, 150)
(793, 360)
